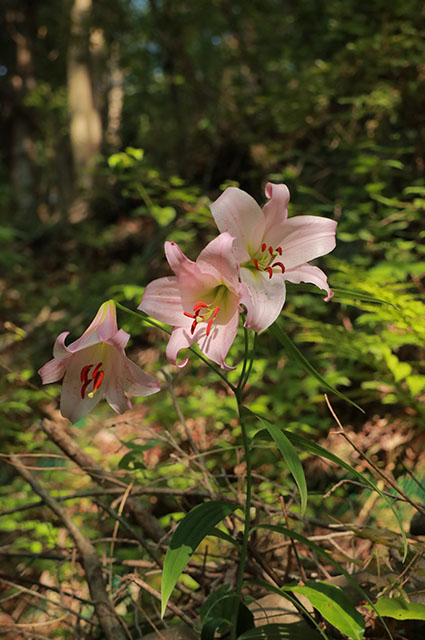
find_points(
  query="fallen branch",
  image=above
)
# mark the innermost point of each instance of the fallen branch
(106, 615)
(144, 519)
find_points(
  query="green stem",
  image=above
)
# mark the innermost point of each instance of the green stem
(247, 510)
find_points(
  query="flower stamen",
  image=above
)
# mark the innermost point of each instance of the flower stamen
(280, 265)
(265, 261)
(96, 377)
(208, 316)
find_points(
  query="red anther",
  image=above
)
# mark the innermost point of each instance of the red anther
(188, 315)
(216, 310)
(84, 388)
(279, 264)
(271, 251)
(263, 246)
(279, 250)
(199, 305)
(85, 372)
(269, 270)
(193, 327)
(256, 264)
(210, 321)
(95, 370)
(98, 380)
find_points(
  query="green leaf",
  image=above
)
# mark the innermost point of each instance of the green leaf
(218, 533)
(400, 609)
(296, 603)
(289, 455)
(221, 604)
(281, 632)
(346, 294)
(194, 527)
(314, 448)
(323, 554)
(163, 215)
(290, 347)
(341, 292)
(211, 626)
(334, 606)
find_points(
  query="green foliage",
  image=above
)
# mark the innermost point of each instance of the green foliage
(188, 535)
(400, 609)
(334, 606)
(328, 99)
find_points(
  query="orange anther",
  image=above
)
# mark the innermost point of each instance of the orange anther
(199, 305)
(98, 380)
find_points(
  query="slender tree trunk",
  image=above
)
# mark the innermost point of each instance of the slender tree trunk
(115, 98)
(86, 124)
(22, 160)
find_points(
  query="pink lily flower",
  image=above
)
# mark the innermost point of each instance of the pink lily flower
(201, 301)
(94, 366)
(271, 248)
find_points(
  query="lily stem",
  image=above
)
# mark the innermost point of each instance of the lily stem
(247, 510)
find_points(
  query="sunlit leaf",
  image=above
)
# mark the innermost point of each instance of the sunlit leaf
(290, 456)
(293, 351)
(322, 553)
(334, 606)
(400, 609)
(194, 527)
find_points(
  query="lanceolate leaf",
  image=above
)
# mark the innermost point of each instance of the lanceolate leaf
(293, 351)
(312, 447)
(297, 604)
(345, 294)
(352, 294)
(194, 527)
(291, 458)
(400, 609)
(323, 554)
(334, 606)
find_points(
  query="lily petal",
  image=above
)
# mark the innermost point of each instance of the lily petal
(236, 212)
(263, 298)
(306, 238)
(176, 258)
(310, 274)
(119, 339)
(162, 300)
(72, 405)
(217, 344)
(53, 370)
(275, 210)
(218, 261)
(102, 327)
(60, 350)
(181, 338)
(139, 383)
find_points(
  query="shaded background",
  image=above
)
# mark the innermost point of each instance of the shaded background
(121, 120)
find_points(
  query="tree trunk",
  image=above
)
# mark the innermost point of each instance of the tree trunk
(86, 124)
(22, 161)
